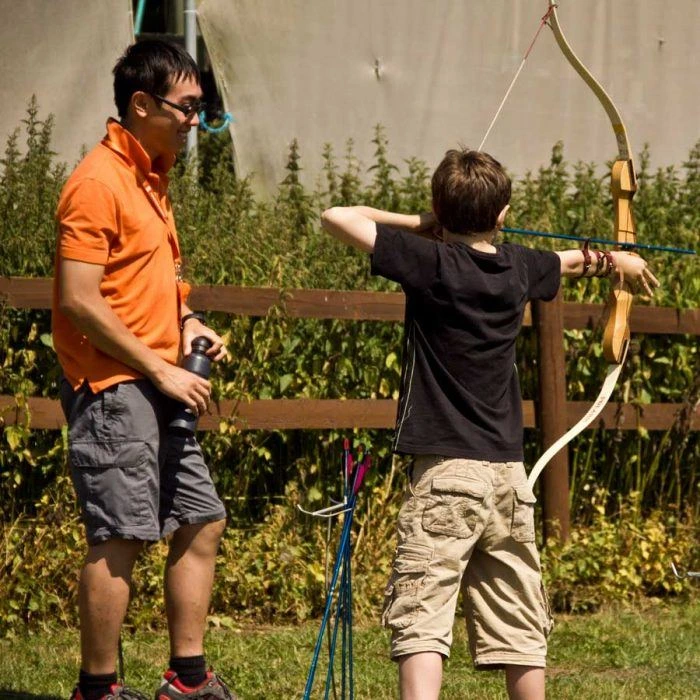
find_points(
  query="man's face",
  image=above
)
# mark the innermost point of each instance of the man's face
(168, 126)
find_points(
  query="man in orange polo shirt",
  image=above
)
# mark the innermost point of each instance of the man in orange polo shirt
(120, 324)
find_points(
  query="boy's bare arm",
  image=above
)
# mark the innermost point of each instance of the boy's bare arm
(632, 268)
(356, 226)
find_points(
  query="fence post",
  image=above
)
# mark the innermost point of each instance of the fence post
(548, 319)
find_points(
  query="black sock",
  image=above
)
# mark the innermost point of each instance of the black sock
(191, 670)
(93, 686)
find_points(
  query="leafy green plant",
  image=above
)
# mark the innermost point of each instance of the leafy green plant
(229, 235)
(29, 187)
(623, 557)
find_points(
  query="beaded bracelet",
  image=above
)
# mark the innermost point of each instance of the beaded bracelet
(610, 266)
(599, 262)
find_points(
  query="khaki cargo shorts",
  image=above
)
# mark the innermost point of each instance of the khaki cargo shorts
(468, 524)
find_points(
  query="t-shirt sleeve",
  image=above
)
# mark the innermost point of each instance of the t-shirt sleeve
(405, 258)
(543, 273)
(87, 222)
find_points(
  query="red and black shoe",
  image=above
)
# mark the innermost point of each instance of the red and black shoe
(212, 687)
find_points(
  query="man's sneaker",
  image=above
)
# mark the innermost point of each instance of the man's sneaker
(116, 692)
(212, 688)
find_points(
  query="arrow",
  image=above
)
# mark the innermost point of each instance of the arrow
(601, 241)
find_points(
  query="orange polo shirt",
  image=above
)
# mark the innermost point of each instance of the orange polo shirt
(114, 211)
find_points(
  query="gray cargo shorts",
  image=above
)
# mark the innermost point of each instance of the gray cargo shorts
(133, 479)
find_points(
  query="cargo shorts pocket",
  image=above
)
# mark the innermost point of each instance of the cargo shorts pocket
(522, 527)
(453, 506)
(548, 618)
(401, 597)
(112, 481)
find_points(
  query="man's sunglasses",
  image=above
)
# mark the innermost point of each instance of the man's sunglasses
(188, 110)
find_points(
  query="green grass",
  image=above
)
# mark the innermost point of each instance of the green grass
(649, 653)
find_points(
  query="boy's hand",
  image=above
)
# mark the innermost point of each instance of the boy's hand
(428, 226)
(635, 271)
(426, 221)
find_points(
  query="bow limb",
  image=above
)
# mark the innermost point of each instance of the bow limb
(592, 413)
(623, 145)
(623, 186)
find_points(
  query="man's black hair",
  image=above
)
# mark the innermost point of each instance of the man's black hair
(151, 66)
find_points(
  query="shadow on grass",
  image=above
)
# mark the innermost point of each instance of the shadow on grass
(18, 695)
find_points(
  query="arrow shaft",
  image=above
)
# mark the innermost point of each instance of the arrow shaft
(600, 241)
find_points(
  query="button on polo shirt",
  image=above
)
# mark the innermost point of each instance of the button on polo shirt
(107, 217)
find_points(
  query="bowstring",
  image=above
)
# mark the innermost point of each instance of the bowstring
(543, 21)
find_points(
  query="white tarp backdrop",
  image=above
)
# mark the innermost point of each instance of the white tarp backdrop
(434, 71)
(62, 51)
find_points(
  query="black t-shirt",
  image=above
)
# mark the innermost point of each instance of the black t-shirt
(460, 394)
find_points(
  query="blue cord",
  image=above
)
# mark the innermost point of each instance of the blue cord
(227, 119)
(138, 20)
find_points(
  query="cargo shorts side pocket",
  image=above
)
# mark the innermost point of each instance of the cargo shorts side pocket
(111, 481)
(548, 618)
(522, 527)
(453, 506)
(401, 597)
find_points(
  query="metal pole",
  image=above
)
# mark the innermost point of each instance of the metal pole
(191, 48)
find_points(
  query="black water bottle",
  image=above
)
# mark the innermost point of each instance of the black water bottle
(185, 422)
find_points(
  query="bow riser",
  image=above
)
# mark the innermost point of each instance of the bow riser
(623, 184)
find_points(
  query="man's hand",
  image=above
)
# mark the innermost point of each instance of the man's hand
(194, 329)
(184, 386)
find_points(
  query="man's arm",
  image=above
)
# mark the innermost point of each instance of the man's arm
(83, 304)
(356, 226)
(628, 266)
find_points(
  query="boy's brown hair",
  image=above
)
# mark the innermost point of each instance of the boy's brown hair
(470, 189)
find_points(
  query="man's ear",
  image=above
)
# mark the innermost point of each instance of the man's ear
(502, 216)
(140, 103)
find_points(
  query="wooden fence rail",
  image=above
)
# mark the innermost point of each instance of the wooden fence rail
(35, 293)
(278, 414)
(321, 414)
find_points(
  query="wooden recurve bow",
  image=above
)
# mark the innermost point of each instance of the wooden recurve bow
(623, 186)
